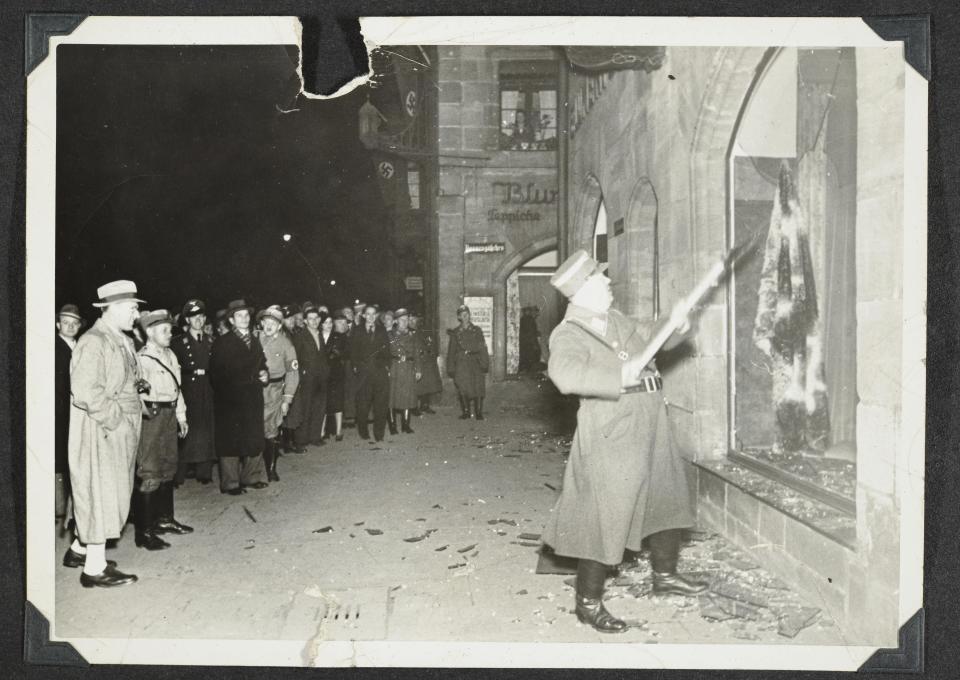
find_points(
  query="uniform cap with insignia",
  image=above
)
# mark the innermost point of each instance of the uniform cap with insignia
(192, 308)
(157, 316)
(290, 310)
(401, 312)
(273, 311)
(70, 310)
(574, 272)
(462, 308)
(117, 291)
(338, 314)
(221, 314)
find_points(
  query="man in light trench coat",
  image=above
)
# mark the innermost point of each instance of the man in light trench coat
(104, 431)
(625, 480)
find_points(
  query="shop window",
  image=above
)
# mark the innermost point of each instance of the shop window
(793, 179)
(528, 106)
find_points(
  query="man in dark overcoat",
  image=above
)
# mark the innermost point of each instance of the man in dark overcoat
(370, 362)
(309, 407)
(193, 349)
(69, 323)
(238, 372)
(430, 383)
(625, 480)
(468, 362)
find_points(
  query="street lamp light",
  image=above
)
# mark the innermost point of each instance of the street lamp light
(288, 238)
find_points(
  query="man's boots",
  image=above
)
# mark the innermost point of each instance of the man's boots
(271, 449)
(590, 609)
(464, 409)
(392, 420)
(165, 522)
(479, 405)
(406, 422)
(664, 555)
(144, 516)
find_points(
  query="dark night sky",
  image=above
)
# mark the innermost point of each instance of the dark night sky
(176, 169)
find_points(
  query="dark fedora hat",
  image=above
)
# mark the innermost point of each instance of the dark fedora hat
(235, 306)
(71, 310)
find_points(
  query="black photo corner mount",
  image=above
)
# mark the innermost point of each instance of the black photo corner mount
(39, 28)
(914, 31)
(37, 647)
(908, 656)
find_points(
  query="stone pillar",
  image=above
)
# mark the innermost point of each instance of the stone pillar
(873, 604)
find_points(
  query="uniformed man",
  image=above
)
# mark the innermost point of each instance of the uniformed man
(283, 378)
(431, 382)
(165, 413)
(105, 419)
(625, 480)
(467, 363)
(290, 328)
(69, 322)
(238, 372)
(309, 409)
(193, 349)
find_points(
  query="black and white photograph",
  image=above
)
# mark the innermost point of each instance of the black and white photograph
(550, 342)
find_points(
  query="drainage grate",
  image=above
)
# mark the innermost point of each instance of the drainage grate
(359, 614)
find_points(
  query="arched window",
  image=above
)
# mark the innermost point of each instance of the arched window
(793, 185)
(600, 234)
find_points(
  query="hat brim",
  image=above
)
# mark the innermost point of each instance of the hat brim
(113, 302)
(71, 315)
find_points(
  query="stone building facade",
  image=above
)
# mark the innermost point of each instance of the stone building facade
(656, 151)
(497, 203)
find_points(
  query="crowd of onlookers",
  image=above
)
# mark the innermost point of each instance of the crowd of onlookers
(147, 399)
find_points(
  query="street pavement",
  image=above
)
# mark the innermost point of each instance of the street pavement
(427, 536)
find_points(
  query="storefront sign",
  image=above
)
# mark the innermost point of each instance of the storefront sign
(481, 314)
(519, 201)
(413, 283)
(498, 247)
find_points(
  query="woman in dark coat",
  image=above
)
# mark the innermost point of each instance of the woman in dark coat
(467, 363)
(405, 369)
(335, 340)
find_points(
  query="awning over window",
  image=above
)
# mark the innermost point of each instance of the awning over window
(610, 58)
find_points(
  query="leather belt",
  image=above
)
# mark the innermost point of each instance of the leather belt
(649, 383)
(160, 404)
(276, 380)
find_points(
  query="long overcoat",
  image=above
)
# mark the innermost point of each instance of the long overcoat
(310, 403)
(61, 411)
(468, 361)
(104, 431)
(430, 383)
(194, 358)
(624, 479)
(237, 395)
(405, 363)
(337, 356)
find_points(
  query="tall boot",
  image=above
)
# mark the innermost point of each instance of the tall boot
(165, 522)
(479, 405)
(406, 422)
(464, 408)
(271, 451)
(143, 518)
(392, 420)
(664, 555)
(590, 609)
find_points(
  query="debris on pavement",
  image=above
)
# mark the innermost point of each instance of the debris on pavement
(793, 619)
(441, 548)
(468, 548)
(374, 532)
(249, 514)
(324, 530)
(529, 537)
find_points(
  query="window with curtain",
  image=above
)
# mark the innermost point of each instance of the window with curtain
(793, 172)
